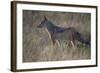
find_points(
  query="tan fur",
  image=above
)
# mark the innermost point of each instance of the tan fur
(51, 38)
(73, 44)
(58, 43)
(48, 34)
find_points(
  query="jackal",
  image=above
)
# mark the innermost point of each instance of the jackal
(56, 33)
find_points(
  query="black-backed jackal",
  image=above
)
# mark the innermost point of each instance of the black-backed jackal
(70, 35)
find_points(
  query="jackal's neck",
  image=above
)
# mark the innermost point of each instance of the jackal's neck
(50, 26)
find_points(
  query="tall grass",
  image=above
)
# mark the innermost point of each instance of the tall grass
(37, 45)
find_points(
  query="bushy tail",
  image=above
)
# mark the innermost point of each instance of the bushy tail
(80, 38)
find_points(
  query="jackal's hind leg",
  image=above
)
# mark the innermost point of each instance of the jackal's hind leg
(67, 44)
(73, 44)
(58, 43)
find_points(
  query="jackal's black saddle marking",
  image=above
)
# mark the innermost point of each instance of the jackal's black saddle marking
(58, 29)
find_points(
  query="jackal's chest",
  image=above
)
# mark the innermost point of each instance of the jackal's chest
(48, 32)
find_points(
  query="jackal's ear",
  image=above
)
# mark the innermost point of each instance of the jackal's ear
(45, 17)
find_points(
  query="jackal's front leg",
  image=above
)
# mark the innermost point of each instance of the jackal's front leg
(53, 42)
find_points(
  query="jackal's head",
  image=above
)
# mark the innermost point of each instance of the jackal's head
(43, 23)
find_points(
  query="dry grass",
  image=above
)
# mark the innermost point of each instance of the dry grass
(37, 45)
